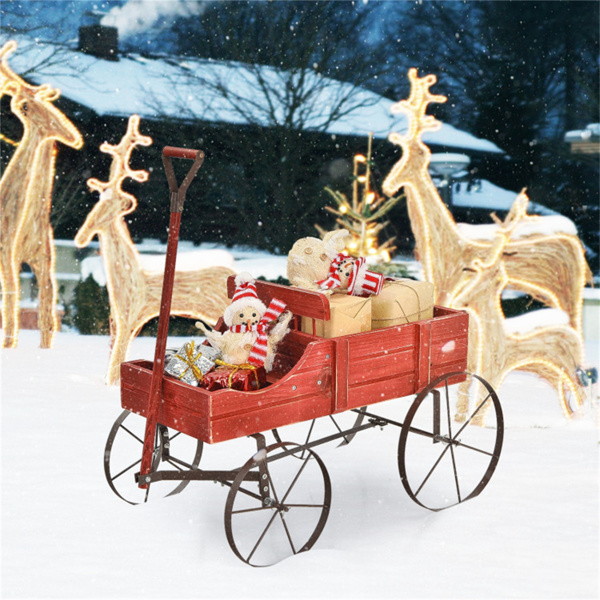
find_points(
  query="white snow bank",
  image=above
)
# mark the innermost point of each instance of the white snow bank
(189, 261)
(259, 264)
(540, 226)
(535, 319)
(533, 532)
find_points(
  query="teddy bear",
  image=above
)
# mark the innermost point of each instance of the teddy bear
(310, 259)
(249, 339)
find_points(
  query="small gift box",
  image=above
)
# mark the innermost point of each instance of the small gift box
(192, 362)
(401, 301)
(348, 314)
(244, 377)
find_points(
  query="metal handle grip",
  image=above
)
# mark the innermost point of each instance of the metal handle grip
(173, 152)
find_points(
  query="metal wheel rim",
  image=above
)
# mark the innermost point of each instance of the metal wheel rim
(235, 489)
(110, 478)
(495, 454)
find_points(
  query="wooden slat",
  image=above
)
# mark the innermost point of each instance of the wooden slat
(423, 353)
(382, 366)
(301, 302)
(384, 389)
(341, 374)
(226, 403)
(294, 410)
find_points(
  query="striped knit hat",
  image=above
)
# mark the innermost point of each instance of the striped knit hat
(244, 295)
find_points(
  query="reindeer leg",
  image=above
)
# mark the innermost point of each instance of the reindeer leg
(11, 293)
(42, 266)
(123, 335)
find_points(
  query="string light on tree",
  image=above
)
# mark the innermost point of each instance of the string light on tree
(361, 216)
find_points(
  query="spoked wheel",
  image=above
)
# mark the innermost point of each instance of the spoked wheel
(442, 462)
(317, 429)
(123, 456)
(277, 506)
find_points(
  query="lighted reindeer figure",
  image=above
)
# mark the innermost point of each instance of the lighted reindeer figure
(26, 199)
(541, 341)
(134, 293)
(549, 267)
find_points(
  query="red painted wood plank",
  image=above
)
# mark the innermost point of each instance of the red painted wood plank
(384, 389)
(294, 411)
(381, 340)
(423, 353)
(301, 302)
(227, 403)
(341, 374)
(383, 366)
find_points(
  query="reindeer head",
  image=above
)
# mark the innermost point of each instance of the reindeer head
(33, 105)
(114, 202)
(415, 154)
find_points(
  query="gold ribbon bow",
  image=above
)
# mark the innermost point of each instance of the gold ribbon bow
(236, 368)
(190, 360)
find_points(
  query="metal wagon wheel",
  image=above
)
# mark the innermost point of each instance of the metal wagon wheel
(442, 462)
(277, 507)
(317, 429)
(123, 451)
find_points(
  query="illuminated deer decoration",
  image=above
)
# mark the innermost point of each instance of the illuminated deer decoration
(541, 341)
(26, 199)
(134, 293)
(541, 259)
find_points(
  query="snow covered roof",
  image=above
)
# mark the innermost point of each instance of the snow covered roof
(159, 87)
(490, 196)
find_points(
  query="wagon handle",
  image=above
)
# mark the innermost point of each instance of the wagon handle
(178, 191)
(177, 201)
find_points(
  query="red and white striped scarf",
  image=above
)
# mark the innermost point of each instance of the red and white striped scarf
(363, 282)
(258, 354)
(333, 277)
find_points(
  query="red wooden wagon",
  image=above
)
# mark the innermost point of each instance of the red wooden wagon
(279, 500)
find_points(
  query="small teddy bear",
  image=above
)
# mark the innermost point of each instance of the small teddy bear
(249, 338)
(310, 258)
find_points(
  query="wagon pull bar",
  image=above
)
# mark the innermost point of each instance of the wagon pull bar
(177, 200)
(178, 191)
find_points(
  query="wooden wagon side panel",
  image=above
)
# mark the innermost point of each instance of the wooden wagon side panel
(449, 342)
(182, 407)
(380, 365)
(305, 392)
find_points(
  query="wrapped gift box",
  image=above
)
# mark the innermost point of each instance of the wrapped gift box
(349, 314)
(402, 301)
(192, 362)
(235, 378)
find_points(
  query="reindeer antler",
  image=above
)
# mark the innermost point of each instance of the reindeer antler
(416, 105)
(121, 153)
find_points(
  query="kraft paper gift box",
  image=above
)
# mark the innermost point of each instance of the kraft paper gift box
(401, 301)
(349, 314)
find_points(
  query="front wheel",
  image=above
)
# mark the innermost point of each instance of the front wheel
(442, 462)
(277, 505)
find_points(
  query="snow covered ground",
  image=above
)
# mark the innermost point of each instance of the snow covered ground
(533, 533)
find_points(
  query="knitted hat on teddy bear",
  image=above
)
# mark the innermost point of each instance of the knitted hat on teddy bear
(244, 295)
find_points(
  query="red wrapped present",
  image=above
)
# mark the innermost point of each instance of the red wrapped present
(244, 377)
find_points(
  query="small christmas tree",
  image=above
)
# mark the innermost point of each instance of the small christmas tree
(361, 217)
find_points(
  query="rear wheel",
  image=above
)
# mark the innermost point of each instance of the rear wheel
(123, 457)
(442, 462)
